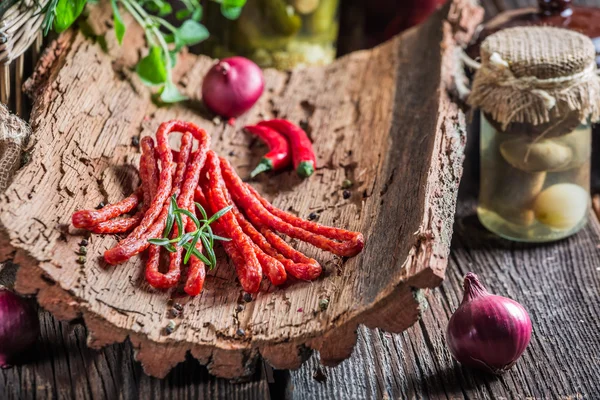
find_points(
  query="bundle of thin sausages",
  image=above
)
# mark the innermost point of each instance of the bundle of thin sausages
(202, 176)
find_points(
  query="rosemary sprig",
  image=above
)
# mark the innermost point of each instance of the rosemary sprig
(188, 240)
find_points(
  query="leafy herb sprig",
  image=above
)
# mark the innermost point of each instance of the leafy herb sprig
(188, 240)
(164, 39)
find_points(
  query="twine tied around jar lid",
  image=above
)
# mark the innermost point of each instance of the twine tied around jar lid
(538, 76)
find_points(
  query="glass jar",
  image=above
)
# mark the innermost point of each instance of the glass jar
(278, 33)
(534, 87)
(534, 190)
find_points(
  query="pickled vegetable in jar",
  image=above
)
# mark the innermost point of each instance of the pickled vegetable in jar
(278, 33)
(538, 92)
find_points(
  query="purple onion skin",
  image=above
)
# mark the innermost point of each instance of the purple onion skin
(232, 86)
(487, 331)
(19, 327)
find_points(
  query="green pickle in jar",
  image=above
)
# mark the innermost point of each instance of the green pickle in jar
(279, 33)
(538, 92)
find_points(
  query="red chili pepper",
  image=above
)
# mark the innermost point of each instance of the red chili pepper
(303, 154)
(279, 155)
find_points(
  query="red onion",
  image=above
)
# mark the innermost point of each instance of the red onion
(487, 331)
(232, 86)
(19, 326)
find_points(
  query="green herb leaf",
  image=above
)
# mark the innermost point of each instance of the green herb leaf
(219, 214)
(183, 14)
(202, 210)
(221, 238)
(179, 222)
(164, 9)
(209, 251)
(152, 69)
(170, 94)
(185, 238)
(210, 235)
(118, 22)
(191, 33)
(234, 3)
(170, 248)
(159, 241)
(197, 14)
(66, 13)
(188, 253)
(169, 223)
(190, 215)
(231, 13)
(196, 253)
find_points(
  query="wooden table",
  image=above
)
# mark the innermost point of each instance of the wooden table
(558, 283)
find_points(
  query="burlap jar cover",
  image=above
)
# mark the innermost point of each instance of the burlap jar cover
(537, 81)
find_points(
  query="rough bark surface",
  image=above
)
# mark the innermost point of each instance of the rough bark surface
(381, 118)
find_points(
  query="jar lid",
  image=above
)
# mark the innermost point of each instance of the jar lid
(537, 75)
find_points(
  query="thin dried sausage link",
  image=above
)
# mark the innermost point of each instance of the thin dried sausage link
(174, 273)
(148, 170)
(116, 254)
(327, 231)
(197, 271)
(247, 201)
(296, 264)
(153, 275)
(124, 252)
(138, 240)
(250, 275)
(271, 261)
(118, 225)
(89, 218)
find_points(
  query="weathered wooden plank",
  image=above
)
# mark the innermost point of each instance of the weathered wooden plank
(558, 284)
(380, 118)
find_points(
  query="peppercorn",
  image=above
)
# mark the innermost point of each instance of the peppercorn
(135, 141)
(178, 307)
(312, 215)
(247, 297)
(83, 250)
(170, 327)
(239, 308)
(319, 375)
(81, 260)
(346, 194)
(323, 304)
(83, 242)
(347, 184)
(100, 205)
(231, 153)
(174, 313)
(240, 332)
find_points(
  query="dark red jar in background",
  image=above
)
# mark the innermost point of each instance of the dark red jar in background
(555, 13)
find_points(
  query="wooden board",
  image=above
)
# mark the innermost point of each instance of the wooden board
(381, 118)
(558, 284)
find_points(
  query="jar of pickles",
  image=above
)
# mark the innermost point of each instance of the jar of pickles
(278, 33)
(538, 92)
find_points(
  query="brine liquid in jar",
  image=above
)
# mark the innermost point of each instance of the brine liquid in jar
(534, 188)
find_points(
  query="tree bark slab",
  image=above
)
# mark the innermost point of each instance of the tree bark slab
(381, 118)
